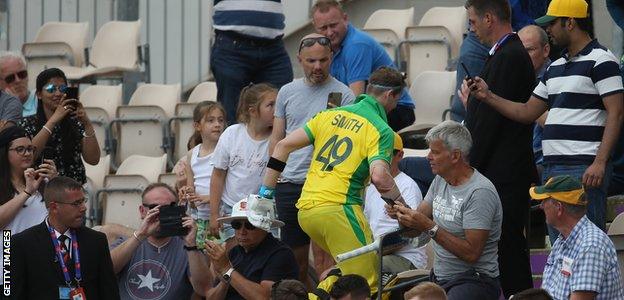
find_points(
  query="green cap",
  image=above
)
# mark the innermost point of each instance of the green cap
(564, 188)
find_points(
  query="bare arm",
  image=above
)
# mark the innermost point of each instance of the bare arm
(278, 133)
(122, 254)
(218, 292)
(578, 295)
(357, 87)
(90, 146)
(384, 182)
(295, 140)
(541, 121)
(525, 113)
(249, 289)
(217, 183)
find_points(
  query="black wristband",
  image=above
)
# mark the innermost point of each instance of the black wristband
(276, 164)
(191, 248)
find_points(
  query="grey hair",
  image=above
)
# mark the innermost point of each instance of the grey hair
(543, 36)
(6, 55)
(455, 136)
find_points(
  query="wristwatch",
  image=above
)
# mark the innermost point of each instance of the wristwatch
(433, 231)
(227, 276)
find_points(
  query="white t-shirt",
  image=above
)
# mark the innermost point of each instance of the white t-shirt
(245, 160)
(381, 223)
(32, 214)
(202, 172)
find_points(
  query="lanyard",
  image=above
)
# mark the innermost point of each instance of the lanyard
(76, 253)
(499, 43)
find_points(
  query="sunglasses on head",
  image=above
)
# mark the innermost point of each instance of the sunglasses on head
(239, 224)
(51, 88)
(323, 41)
(21, 75)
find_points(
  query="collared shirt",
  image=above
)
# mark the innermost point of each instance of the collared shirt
(584, 261)
(29, 107)
(67, 233)
(346, 141)
(574, 89)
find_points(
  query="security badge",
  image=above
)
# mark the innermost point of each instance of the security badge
(566, 266)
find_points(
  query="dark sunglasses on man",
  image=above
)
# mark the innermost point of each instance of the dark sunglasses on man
(323, 41)
(21, 74)
(239, 224)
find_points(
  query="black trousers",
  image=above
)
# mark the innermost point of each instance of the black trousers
(513, 252)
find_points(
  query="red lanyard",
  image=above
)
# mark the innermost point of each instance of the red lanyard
(59, 255)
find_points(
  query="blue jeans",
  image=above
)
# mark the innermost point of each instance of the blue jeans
(237, 61)
(596, 197)
(473, 54)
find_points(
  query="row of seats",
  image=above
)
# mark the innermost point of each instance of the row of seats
(432, 44)
(153, 123)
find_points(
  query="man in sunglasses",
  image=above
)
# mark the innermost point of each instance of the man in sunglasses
(150, 266)
(297, 102)
(14, 81)
(10, 106)
(356, 55)
(250, 268)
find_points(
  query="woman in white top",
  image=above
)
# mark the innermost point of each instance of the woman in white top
(21, 203)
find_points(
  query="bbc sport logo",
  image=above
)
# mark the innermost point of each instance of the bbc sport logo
(6, 262)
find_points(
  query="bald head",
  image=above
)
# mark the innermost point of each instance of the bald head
(535, 41)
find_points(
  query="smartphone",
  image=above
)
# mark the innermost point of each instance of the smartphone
(71, 92)
(335, 99)
(45, 154)
(466, 70)
(170, 217)
(388, 201)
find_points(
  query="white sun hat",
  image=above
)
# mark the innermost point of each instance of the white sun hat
(259, 211)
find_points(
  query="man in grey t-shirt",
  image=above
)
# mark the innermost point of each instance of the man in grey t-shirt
(462, 213)
(297, 102)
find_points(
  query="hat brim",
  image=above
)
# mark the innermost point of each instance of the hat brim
(535, 194)
(274, 223)
(545, 20)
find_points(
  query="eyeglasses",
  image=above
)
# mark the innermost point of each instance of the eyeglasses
(22, 150)
(51, 88)
(150, 206)
(76, 203)
(239, 224)
(323, 41)
(21, 75)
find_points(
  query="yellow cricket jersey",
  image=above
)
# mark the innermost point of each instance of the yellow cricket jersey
(346, 140)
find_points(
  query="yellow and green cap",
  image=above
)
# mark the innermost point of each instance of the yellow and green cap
(562, 188)
(398, 142)
(564, 8)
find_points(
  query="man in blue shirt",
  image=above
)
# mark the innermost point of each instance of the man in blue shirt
(356, 56)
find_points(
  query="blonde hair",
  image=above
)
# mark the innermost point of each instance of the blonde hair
(251, 96)
(426, 290)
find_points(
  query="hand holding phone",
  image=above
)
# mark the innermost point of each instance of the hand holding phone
(71, 92)
(468, 76)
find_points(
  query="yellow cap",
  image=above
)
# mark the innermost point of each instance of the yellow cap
(398, 142)
(564, 8)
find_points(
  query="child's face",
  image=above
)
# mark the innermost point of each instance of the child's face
(267, 108)
(211, 125)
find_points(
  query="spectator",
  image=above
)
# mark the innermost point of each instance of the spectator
(150, 266)
(586, 72)
(63, 126)
(209, 122)
(532, 294)
(241, 155)
(426, 291)
(21, 185)
(616, 185)
(289, 289)
(60, 256)
(248, 48)
(249, 269)
(297, 102)
(408, 257)
(356, 55)
(350, 144)
(500, 144)
(14, 81)
(582, 263)
(462, 214)
(350, 287)
(10, 108)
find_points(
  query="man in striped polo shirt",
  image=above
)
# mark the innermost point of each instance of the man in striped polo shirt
(583, 90)
(248, 48)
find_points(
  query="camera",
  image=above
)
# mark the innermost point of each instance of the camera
(170, 217)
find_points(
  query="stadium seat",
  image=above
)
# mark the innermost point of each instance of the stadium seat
(432, 92)
(115, 50)
(100, 103)
(142, 126)
(415, 152)
(56, 44)
(205, 91)
(454, 19)
(121, 198)
(168, 178)
(95, 182)
(617, 226)
(147, 166)
(388, 26)
(181, 128)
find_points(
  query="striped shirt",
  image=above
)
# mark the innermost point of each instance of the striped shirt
(255, 18)
(574, 88)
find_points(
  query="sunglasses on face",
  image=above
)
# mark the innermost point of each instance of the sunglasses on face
(239, 224)
(21, 75)
(51, 88)
(76, 203)
(323, 41)
(22, 150)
